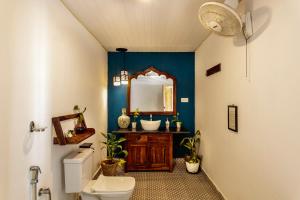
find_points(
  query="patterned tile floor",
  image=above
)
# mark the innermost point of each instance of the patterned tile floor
(172, 186)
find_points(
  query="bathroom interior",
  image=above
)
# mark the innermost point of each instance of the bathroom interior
(151, 76)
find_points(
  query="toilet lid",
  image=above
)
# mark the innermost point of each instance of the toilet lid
(113, 184)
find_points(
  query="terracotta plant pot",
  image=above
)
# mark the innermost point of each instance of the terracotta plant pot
(109, 167)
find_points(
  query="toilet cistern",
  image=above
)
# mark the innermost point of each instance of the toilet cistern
(79, 179)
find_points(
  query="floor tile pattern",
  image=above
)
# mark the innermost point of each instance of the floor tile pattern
(172, 186)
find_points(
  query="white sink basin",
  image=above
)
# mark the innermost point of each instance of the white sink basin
(150, 125)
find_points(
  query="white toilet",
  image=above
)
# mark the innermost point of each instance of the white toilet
(78, 179)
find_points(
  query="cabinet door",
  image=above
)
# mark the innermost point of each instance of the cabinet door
(137, 152)
(158, 152)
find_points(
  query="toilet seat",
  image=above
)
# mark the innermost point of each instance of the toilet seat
(110, 184)
(113, 184)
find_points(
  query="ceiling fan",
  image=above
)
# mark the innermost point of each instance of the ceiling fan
(223, 18)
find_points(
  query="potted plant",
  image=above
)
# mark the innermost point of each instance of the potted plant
(136, 114)
(177, 121)
(69, 133)
(79, 126)
(115, 153)
(192, 161)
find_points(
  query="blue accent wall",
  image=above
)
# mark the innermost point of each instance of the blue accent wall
(181, 65)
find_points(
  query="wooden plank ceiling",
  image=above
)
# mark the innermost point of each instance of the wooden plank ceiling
(142, 25)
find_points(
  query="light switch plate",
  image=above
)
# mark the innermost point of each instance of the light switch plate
(184, 100)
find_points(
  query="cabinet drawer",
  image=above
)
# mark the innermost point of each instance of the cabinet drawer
(159, 138)
(137, 138)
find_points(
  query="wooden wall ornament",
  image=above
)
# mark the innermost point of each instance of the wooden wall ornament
(213, 70)
(232, 118)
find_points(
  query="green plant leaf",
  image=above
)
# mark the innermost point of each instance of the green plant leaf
(103, 134)
(76, 108)
(125, 153)
(121, 140)
(187, 146)
(183, 140)
(190, 144)
(113, 146)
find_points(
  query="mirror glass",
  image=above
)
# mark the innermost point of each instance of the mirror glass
(151, 92)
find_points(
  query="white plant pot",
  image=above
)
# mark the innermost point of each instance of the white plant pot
(192, 167)
(133, 125)
(178, 126)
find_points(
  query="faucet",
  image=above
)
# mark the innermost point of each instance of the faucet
(150, 117)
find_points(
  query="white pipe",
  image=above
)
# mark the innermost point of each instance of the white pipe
(96, 172)
(34, 191)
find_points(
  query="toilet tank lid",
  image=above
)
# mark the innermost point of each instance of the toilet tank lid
(78, 156)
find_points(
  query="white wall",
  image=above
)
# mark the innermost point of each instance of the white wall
(262, 160)
(48, 63)
(4, 99)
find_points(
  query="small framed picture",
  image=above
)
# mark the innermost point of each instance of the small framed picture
(233, 118)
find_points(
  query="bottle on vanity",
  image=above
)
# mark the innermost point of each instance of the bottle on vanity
(167, 124)
(123, 120)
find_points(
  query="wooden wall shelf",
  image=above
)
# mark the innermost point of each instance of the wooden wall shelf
(76, 139)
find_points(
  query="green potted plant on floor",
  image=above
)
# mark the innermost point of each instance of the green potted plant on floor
(192, 161)
(115, 154)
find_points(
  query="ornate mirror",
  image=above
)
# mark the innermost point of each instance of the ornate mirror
(152, 92)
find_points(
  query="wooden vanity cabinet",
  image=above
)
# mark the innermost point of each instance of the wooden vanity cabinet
(149, 151)
(136, 146)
